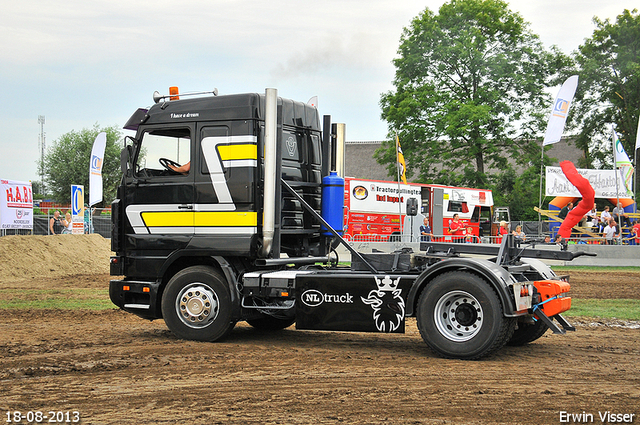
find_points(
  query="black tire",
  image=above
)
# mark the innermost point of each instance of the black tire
(268, 323)
(527, 332)
(459, 316)
(196, 304)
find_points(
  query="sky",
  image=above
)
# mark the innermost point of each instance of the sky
(79, 63)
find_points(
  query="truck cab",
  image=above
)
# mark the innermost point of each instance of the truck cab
(162, 214)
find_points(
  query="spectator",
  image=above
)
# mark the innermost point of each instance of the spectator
(604, 218)
(55, 224)
(502, 230)
(456, 228)
(618, 213)
(635, 233)
(592, 217)
(470, 237)
(67, 223)
(609, 232)
(547, 239)
(87, 220)
(565, 210)
(519, 234)
(425, 231)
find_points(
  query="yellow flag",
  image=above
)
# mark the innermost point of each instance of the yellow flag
(402, 167)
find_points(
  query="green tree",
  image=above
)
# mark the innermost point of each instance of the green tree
(609, 89)
(519, 192)
(468, 93)
(67, 162)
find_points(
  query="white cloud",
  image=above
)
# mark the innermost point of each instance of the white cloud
(79, 62)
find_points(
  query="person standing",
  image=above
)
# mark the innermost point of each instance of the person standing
(502, 230)
(456, 228)
(67, 224)
(55, 224)
(635, 233)
(609, 232)
(470, 237)
(425, 231)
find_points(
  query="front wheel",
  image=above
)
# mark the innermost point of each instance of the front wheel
(196, 304)
(460, 316)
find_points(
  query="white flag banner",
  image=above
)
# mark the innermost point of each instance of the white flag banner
(623, 164)
(602, 181)
(638, 136)
(95, 169)
(560, 110)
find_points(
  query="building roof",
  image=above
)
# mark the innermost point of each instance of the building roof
(360, 163)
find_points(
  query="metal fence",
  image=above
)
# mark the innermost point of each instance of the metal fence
(97, 221)
(535, 231)
(100, 222)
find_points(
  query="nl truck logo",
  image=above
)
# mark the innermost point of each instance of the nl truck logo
(315, 298)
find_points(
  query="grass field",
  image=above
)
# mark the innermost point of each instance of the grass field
(98, 299)
(603, 269)
(606, 309)
(66, 299)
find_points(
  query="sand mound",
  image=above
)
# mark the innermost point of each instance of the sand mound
(26, 257)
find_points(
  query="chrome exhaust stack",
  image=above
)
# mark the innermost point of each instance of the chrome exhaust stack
(270, 178)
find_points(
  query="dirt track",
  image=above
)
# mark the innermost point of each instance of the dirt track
(115, 368)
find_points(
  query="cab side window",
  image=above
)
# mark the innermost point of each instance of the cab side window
(164, 149)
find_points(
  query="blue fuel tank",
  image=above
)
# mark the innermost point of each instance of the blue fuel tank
(333, 202)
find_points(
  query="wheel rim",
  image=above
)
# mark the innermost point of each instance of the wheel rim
(197, 305)
(458, 316)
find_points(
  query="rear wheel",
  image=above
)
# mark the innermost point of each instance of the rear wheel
(196, 304)
(527, 332)
(460, 316)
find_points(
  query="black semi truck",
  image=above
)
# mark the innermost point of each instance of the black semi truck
(227, 211)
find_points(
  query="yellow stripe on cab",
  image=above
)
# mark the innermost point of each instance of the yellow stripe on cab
(239, 151)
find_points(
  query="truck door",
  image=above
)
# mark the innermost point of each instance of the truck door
(158, 199)
(225, 206)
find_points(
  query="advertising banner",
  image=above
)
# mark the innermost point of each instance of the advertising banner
(625, 168)
(16, 207)
(560, 110)
(77, 209)
(95, 169)
(381, 197)
(602, 181)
